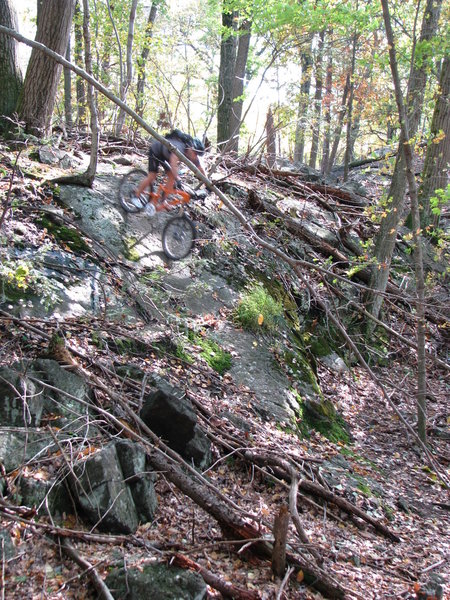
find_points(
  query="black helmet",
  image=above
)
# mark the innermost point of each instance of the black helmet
(198, 146)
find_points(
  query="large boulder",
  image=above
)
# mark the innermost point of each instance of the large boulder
(169, 414)
(21, 404)
(139, 479)
(35, 390)
(114, 489)
(102, 494)
(156, 582)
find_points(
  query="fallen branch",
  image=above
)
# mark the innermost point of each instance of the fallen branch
(293, 493)
(90, 570)
(316, 489)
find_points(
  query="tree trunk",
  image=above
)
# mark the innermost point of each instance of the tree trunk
(387, 234)
(38, 95)
(303, 104)
(95, 131)
(317, 103)
(270, 144)
(10, 74)
(327, 114)
(243, 46)
(418, 257)
(87, 178)
(348, 157)
(340, 123)
(228, 48)
(437, 159)
(78, 58)
(68, 92)
(142, 62)
(128, 76)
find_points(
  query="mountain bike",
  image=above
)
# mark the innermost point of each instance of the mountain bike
(179, 232)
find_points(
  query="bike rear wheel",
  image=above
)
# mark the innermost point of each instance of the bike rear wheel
(178, 237)
(127, 189)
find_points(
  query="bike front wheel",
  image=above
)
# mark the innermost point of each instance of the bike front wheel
(178, 237)
(127, 189)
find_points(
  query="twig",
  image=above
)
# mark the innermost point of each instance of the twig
(2, 549)
(284, 583)
(8, 196)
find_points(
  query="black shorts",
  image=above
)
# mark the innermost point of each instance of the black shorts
(158, 156)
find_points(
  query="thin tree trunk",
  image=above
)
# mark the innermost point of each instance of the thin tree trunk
(303, 104)
(327, 112)
(87, 178)
(140, 86)
(317, 103)
(418, 257)
(78, 59)
(126, 82)
(95, 131)
(68, 92)
(271, 142)
(340, 123)
(348, 157)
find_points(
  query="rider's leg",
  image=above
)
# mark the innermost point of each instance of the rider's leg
(172, 175)
(145, 183)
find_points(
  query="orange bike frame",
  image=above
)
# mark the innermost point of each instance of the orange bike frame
(164, 197)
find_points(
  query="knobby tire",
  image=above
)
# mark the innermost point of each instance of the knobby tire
(178, 237)
(127, 189)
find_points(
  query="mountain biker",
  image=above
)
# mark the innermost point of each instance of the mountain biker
(160, 156)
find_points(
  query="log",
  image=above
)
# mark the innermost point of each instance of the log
(315, 489)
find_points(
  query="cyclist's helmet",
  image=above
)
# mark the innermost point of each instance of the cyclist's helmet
(198, 146)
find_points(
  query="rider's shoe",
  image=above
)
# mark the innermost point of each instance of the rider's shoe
(138, 201)
(150, 209)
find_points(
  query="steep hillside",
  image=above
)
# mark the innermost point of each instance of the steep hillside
(288, 412)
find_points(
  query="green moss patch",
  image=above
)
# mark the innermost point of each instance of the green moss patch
(130, 251)
(215, 356)
(67, 235)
